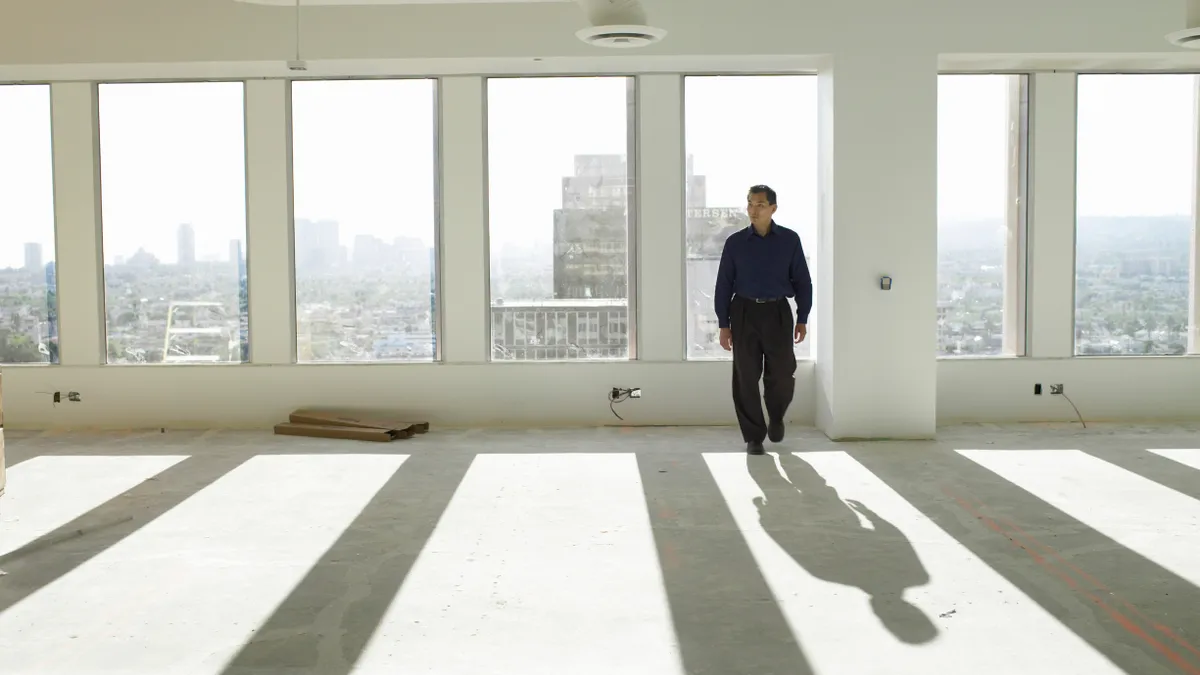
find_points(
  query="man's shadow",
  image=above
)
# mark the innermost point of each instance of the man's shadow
(824, 535)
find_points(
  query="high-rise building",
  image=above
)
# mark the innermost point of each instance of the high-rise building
(52, 311)
(318, 244)
(33, 257)
(591, 230)
(187, 244)
(704, 240)
(588, 317)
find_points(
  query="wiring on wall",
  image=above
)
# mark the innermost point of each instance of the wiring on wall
(1077, 414)
(619, 395)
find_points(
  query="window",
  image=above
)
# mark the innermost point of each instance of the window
(982, 134)
(731, 146)
(28, 288)
(364, 162)
(560, 204)
(1134, 198)
(173, 190)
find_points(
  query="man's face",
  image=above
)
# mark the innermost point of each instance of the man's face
(759, 209)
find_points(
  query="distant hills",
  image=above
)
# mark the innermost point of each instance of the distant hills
(1172, 233)
(1095, 231)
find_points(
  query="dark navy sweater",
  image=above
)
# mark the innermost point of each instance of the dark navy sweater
(763, 267)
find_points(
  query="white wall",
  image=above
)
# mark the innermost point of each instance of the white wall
(878, 215)
(1134, 389)
(878, 375)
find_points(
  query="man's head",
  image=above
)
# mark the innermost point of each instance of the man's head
(761, 206)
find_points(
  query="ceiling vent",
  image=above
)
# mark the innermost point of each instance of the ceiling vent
(618, 24)
(1188, 38)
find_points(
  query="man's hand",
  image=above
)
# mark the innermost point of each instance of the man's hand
(727, 339)
(801, 331)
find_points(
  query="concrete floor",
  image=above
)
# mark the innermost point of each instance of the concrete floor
(995, 550)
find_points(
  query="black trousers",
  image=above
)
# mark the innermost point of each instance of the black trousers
(763, 334)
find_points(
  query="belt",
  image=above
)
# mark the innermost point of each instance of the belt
(759, 300)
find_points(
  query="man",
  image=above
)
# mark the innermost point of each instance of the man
(761, 267)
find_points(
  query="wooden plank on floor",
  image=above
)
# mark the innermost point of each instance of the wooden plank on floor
(359, 419)
(344, 433)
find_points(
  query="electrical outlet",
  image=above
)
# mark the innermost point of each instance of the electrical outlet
(59, 397)
(1056, 389)
(1037, 389)
(636, 392)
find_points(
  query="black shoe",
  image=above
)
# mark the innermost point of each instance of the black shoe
(755, 448)
(775, 431)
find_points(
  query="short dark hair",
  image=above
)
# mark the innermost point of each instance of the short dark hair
(764, 190)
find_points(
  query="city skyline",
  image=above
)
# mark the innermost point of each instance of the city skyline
(558, 212)
(1143, 121)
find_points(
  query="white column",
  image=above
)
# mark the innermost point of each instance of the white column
(462, 241)
(77, 212)
(662, 316)
(876, 362)
(1052, 218)
(269, 249)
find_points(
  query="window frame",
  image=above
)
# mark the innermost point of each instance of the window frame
(438, 322)
(633, 219)
(1192, 344)
(1017, 329)
(98, 160)
(56, 360)
(811, 248)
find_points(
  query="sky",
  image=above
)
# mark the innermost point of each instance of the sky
(734, 145)
(1136, 145)
(172, 153)
(535, 128)
(364, 153)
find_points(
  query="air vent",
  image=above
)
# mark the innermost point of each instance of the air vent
(621, 37)
(618, 24)
(1188, 38)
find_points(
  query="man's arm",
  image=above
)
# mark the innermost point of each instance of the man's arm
(801, 284)
(723, 294)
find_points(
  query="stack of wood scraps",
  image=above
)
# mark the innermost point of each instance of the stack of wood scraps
(349, 425)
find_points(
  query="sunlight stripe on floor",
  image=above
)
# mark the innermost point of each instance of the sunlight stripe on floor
(185, 592)
(45, 493)
(541, 564)
(1154, 521)
(867, 581)
(1186, 457)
